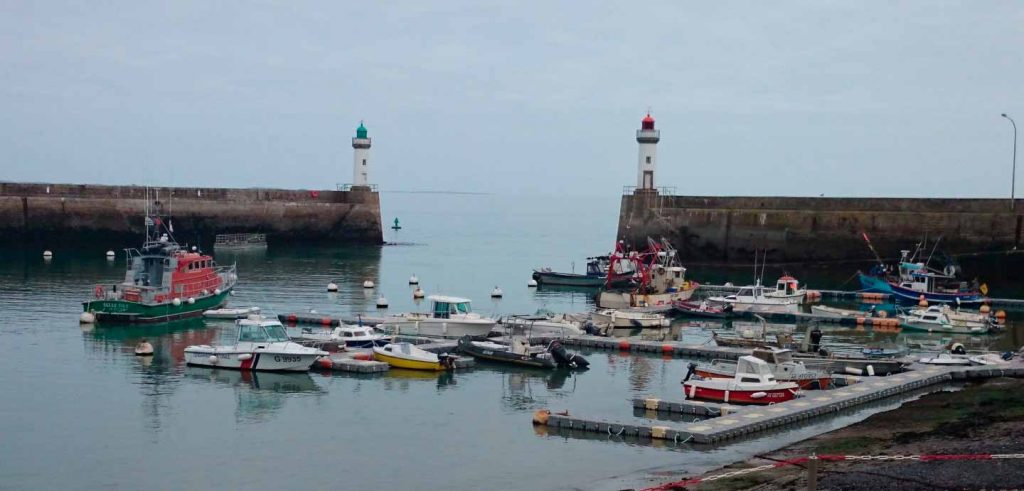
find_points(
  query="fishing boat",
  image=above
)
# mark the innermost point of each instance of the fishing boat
(755, 300)
(517, 352)
(231, 313)
(407, 355)
(703, 309)
(660, 279)
(164, 282)
(599, 272)
(853, 364)
(449, 317)
(753, 383)
(915, 279)
(782, 364)
(629, 319)
(934, 319)
(347, 335)
(261, 344)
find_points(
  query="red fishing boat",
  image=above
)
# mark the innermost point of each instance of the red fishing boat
(753, 383)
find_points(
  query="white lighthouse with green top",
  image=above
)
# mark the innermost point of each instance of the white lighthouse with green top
(361, 157)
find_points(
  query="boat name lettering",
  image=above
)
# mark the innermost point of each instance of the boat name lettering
(286, 359)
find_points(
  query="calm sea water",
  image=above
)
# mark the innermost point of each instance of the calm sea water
(79, 411)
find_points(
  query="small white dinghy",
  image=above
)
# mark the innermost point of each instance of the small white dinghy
(236, 313)
(262, 344)
(988, 359)
(347, 335)
(947, 359)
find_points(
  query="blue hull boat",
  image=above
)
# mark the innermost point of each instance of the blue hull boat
(880, 285)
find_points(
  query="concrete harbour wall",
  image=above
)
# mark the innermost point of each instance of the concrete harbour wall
(794, 229)
(34, 212)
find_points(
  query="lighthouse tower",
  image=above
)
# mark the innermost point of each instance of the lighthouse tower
(648, 138)
(361, 157)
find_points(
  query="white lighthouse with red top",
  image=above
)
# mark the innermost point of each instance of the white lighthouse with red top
(648, 138)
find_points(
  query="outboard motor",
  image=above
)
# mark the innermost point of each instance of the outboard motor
(815, 339)
(690, 370)
(564, 359)
(591, 329)
(958, 349)
(447, 361)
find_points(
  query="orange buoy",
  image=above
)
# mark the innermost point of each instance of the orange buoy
(540, 417)
(624, 345)
(292, 319)
(667, 348)
(325, 363)
(325, 321)
(985, 309)
(1001, 315)
(363, 356)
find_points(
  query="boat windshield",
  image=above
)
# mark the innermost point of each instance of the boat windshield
(462, 308)
(275, 333)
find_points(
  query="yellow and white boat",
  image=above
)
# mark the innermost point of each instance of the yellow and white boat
(406, 355)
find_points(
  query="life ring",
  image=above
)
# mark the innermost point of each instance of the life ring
(99, 291)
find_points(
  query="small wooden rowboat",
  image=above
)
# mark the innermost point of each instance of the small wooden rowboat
(752, 384)
(406, 355)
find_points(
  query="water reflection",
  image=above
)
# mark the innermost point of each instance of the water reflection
(258, 394)
(529, 389)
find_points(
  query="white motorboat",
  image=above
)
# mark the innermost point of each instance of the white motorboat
(838, 313)
(262, 344)
(542, 324)
(934, 319)
(629, 319)
(957, 317)
(449, 317)
(753, 383)
(781, 363)
(787, 287)
(347, 335)
(228, 313)
(945, 359)
(754, 299)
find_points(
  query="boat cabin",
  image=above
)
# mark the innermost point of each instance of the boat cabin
(754, 370)
(773, 355)
(787, 285)
(446, 307)
(668, 278)
(261, 331)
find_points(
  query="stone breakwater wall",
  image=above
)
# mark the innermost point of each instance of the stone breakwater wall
(70, 213)
(795, 229)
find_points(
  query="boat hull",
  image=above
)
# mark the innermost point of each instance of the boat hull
(124, 312)
(504, 356)
(625, 300)
(944, 328)
(805, 382)
(694, 390)
(408, 363)
(879, 285)
(250, 361)
(440, 328)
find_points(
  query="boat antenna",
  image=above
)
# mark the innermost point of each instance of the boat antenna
(764, 263)
(933, 251)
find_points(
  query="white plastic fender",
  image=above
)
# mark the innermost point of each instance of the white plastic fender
(176, 302)
(854, 371)
(871, 370)
(86, 318)
(244, 356)
(216, 291)
(693, 391)
(213, 359)
(727, 396)
(758, 395)
(191, 300)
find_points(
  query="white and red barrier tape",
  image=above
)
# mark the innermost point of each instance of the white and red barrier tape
(831, 458)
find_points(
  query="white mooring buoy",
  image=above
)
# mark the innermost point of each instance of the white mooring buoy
(368, 284)
(418, 293)
(413, 280)
(47, 254)
(332, 287)
(382, 303)
(111, 255)
(532, 283)
(496, 292)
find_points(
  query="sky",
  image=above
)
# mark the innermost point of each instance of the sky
(528, 97)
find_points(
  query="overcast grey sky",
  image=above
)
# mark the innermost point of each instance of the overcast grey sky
(773, 98)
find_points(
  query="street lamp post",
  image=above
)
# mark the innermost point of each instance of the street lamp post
(1013, 178)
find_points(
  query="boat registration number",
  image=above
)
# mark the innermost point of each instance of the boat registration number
(286, 359)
